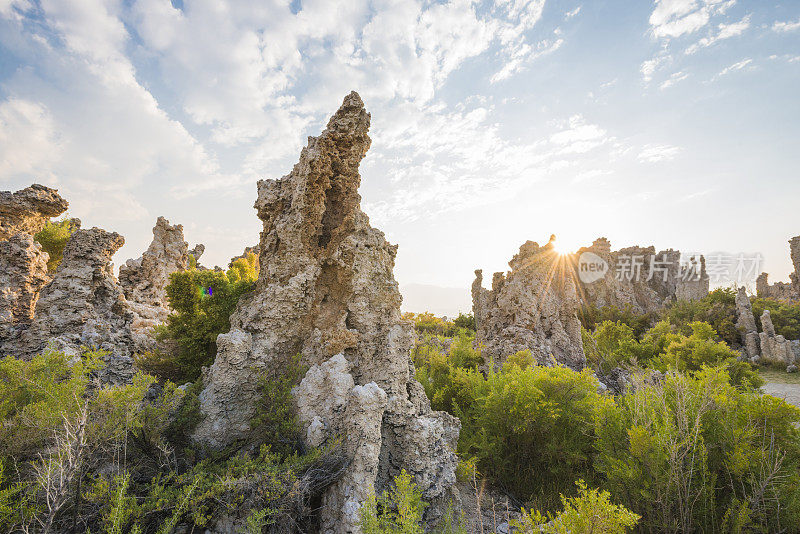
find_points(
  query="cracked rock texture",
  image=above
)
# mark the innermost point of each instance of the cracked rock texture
(639, 277)
(28, 210)
(775, 349)
(532, 307)
(693, 282)
(746, 323)
(326, 288)
(23, 273)
(84, 306)
(145, 279)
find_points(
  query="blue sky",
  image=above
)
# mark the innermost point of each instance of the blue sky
(674, 123)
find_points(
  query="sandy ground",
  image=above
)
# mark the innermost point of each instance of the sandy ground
(789, 392)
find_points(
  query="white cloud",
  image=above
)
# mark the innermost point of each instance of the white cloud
(579, 137)
(739, 65)
(569, 14)
(673, 79)
(654, 153)
(786, 26)
(726, 31)
(28, 140)
(650, 66)
(524, 55)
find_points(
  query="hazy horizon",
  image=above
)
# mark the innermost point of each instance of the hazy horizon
(672, 123)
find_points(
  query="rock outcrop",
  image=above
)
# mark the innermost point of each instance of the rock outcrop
(23, 263)
(765, 346)
(746, 324)
(84, 306)
(27, 211)
(145, 279)
(637, 277)
(788, 292)
(775, 349)
(326, 291)
(23, 273)
(693, 282)
(533, 307)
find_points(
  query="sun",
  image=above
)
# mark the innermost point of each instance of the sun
(562, 248)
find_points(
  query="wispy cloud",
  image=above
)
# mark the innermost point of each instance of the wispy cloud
(654, 153)
(786, 26)
(739, 65)
(724, 31)
(673, 79)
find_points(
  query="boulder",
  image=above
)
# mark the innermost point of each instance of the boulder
(23, 273)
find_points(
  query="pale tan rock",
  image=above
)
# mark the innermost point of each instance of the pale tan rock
(533, 307)
(775, 349)
(326, 287)
(83, 305)
(693, 282)
(636, 277)
(28, 210)
(746, 324)
(23, 273)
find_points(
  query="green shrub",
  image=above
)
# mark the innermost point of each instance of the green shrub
(696, 454)
(591, 511)
(465, 321)
(398, 511)
(53, 238)
(591, 316)
(428, 323)
(785, 316)
(718, 309)
(275, 421)
(202, 303)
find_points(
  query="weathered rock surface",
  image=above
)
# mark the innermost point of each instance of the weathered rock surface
(326, 288)
(23, 273)
(533, 307)
(794, 253)
(83, 306)
(778, 291)
(639, 278)
(145, 279)
(28, 210)
(775, 349)
(746, 323)
(693, 282)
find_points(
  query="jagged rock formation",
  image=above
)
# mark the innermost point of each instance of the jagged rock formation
(533, 307)
(788, 292)
(768, 346)
(638, 277)
(28, 210)
(23, 273)
(23, 263)
(145, 279)
(326, 288)
(247, 251)
(693, 282)
(746, 323)
(83, 306)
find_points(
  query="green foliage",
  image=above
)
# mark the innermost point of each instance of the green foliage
(428, 323)
(53, 238)
(697, 454)
(718, 309)
(665, 347)
(591, 511)
(591, 316)
(785, 316)
(275, 421)
(397, 512)
(202, 303)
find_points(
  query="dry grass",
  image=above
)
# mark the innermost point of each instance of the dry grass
(779, 376)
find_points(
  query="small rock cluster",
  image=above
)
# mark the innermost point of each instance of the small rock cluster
(788, 292)
(766, 346)
(533, 307)
(326, 292)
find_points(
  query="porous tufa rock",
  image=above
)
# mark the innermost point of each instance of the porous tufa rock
(83, 305)
(145, 279)
(23, 273)
(775, 349)
(746, 324)
(533, 307)
(28, 210)
(326, 287)
(640, 278)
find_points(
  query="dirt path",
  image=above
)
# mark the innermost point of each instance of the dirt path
(789, 392)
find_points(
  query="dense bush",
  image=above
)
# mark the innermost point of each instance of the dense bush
(696, 454)
(202, 302)
(53, 238)
(428, 323)
(591, 316)
(528, 428)
(76, 456)
(591, 511)
(665, 347)
(785, 317)
(718, 309)
(397, 511)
